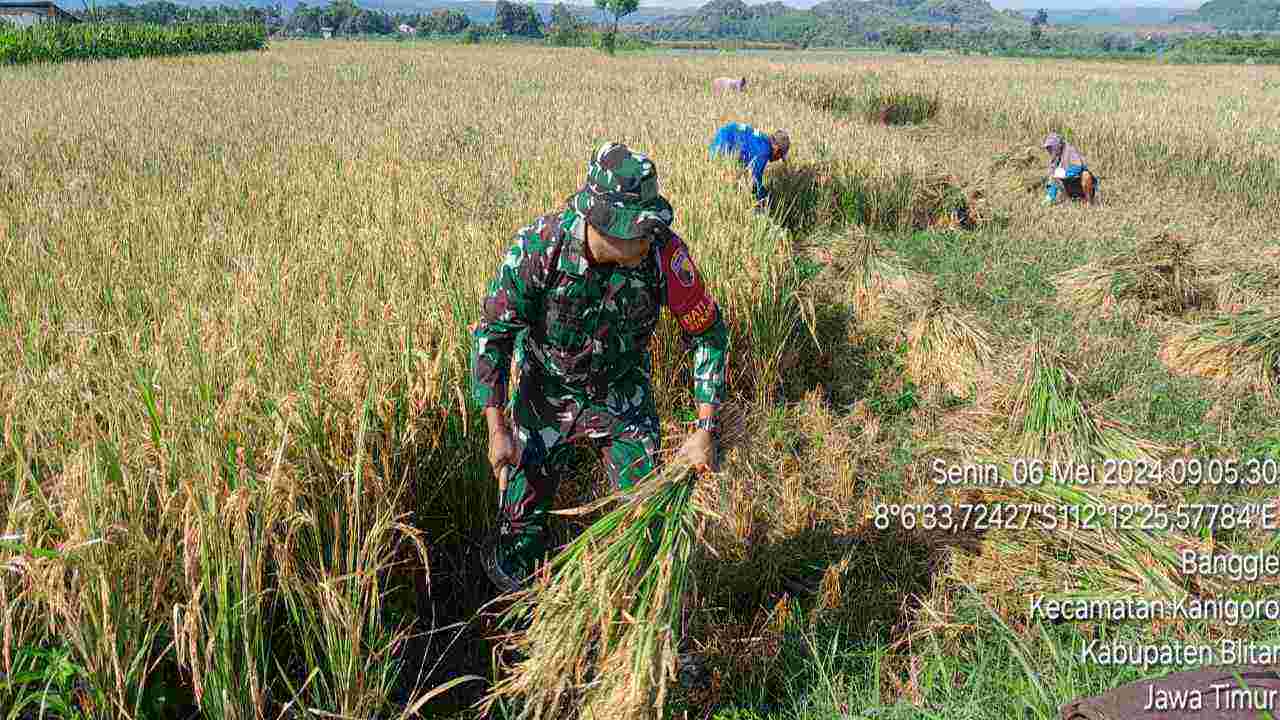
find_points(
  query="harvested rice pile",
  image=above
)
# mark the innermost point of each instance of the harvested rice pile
(1032, 408)
(885, 293)
(1022, 170)
(1250, 279)
(947, 349)
(1240, 350)
(1160, 275)
(950, 204)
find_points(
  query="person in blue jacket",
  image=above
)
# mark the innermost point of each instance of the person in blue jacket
(754, 150)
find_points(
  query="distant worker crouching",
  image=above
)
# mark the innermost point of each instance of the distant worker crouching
(723, 84)
(754, 150)
(1068, 173)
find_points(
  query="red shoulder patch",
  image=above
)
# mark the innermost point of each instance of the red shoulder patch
(686, 295)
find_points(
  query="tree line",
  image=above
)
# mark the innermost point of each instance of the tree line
(345, 17)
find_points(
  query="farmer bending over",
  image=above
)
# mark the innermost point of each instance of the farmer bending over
(754, 149)
(587, 283)
(1068, 172)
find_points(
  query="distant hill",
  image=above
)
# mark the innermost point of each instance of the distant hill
(1111, 16)
(483, 12)
(1239, 15)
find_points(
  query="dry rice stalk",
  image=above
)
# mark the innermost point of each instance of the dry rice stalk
(1017, 158)
(950, 204)
(605, 613)
(1244, 349)
(1157, 276)
(1249, 279)
(1042, 418)
(1020, 171)
(946, 349)
(883, 289)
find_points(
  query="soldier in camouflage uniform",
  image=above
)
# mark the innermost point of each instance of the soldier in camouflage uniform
(584, 287)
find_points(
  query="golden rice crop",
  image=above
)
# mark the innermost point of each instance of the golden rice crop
(604, 616)
(238, 287)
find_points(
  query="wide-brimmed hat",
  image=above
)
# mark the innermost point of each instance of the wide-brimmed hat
(1052, 141)
(620, 197)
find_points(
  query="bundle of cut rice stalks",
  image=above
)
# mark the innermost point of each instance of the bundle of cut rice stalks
(1239, 350)
(603, 617)
(1160, 275)
(946, 203)
(1041, 419)
(1251, 277)
(947, 349)
(1017, 157)
(883, 289)
(1050, 420)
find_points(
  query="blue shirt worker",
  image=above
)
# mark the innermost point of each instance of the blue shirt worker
(754, 150)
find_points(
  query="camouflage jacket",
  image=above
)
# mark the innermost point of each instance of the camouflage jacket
(587, 328)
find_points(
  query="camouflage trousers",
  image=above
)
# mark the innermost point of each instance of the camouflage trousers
(545, 434)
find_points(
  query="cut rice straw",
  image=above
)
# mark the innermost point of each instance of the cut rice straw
(605, 614)
(1042, 419)
(947, 349)
(1159, 275)
(884, 290)
(1051, 420)
(1242, 349)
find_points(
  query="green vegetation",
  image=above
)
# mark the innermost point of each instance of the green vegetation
(1234, 47)
(1240, 14)
(59, 42)
(962, 26)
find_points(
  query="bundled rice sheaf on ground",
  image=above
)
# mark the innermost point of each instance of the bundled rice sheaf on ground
(883, 292)
(1249, 278)
(1020, 170)
(1240, 350)
(947, 348)
(1033, 425)
(954, 204)
(1161, 275)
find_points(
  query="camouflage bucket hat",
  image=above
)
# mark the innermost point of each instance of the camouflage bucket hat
(620, 197)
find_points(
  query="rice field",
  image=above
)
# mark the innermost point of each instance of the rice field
(240, 471)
